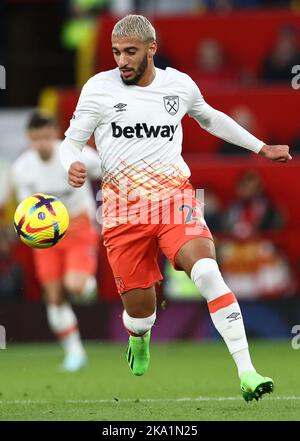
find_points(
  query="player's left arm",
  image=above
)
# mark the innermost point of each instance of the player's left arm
(276, 153)
(221, 125)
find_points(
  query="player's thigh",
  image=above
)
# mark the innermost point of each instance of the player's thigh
(49, 265)
(80, 262)
(193, 250)
(132, 255)
(81, 246)
(140, 302)
(186, 238)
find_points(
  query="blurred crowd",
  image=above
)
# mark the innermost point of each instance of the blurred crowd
(174, 6)
(252, 264)
(213, 65)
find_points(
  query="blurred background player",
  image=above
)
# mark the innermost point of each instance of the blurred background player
(70, 266)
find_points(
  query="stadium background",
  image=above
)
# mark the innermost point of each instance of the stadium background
(50, 47)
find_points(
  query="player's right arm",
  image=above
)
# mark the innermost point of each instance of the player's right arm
(83, 124)
(221, 125)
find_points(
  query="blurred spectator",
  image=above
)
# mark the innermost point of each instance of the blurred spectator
(296, 145)
(78, 37)
(286, 53)
(255, 268)
(177, 285)
(212, 209)
(224, 6)
(162, 60)
(123, 7)
(228, 5)
(212, 66)
(252, 211)
(276, 3)
(11, 277)
(3, 54)
(252, 265)
(82, 17)
(245, 118)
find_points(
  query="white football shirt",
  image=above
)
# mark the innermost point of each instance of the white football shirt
(138, 131)
(30, 174)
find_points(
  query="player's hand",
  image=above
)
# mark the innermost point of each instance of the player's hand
(276, 153)
(77, 174)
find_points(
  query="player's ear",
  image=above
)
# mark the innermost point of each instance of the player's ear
(152, 49)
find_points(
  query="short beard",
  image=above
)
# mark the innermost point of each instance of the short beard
(140, 72)
(45, 156)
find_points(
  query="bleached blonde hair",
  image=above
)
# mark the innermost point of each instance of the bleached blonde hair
(134, 26)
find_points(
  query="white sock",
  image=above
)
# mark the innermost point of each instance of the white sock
(224, 310)
(208, 279)
(229, 323)
(138, 326)
(64, 325)
(243, 361)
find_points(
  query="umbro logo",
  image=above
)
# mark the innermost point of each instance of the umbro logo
(120, 107)
(234, 316)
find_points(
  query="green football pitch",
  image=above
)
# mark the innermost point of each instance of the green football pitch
(186, 381)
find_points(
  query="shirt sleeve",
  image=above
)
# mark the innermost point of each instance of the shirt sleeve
(92, 160)
(82, 125)
(69, 152)
(86, 116)
(219, 124)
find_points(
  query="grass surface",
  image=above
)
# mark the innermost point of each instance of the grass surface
(186, 381)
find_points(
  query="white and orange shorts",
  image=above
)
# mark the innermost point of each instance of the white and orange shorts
(132, 248)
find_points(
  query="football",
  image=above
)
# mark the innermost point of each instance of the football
(41, 220)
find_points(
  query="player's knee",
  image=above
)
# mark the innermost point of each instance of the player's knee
(208, 278)
(73, 284)
(140, 311)
(55, 301)
(74, 288)
(138, 325)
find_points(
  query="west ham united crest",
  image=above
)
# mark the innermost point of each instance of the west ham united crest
(171, 104)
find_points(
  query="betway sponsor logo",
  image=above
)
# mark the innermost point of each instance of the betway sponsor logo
(142, 130)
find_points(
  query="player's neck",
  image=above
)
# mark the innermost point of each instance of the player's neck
(45, 156)
(148, 77)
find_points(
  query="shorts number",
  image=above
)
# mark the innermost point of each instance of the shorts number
(190, 216)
